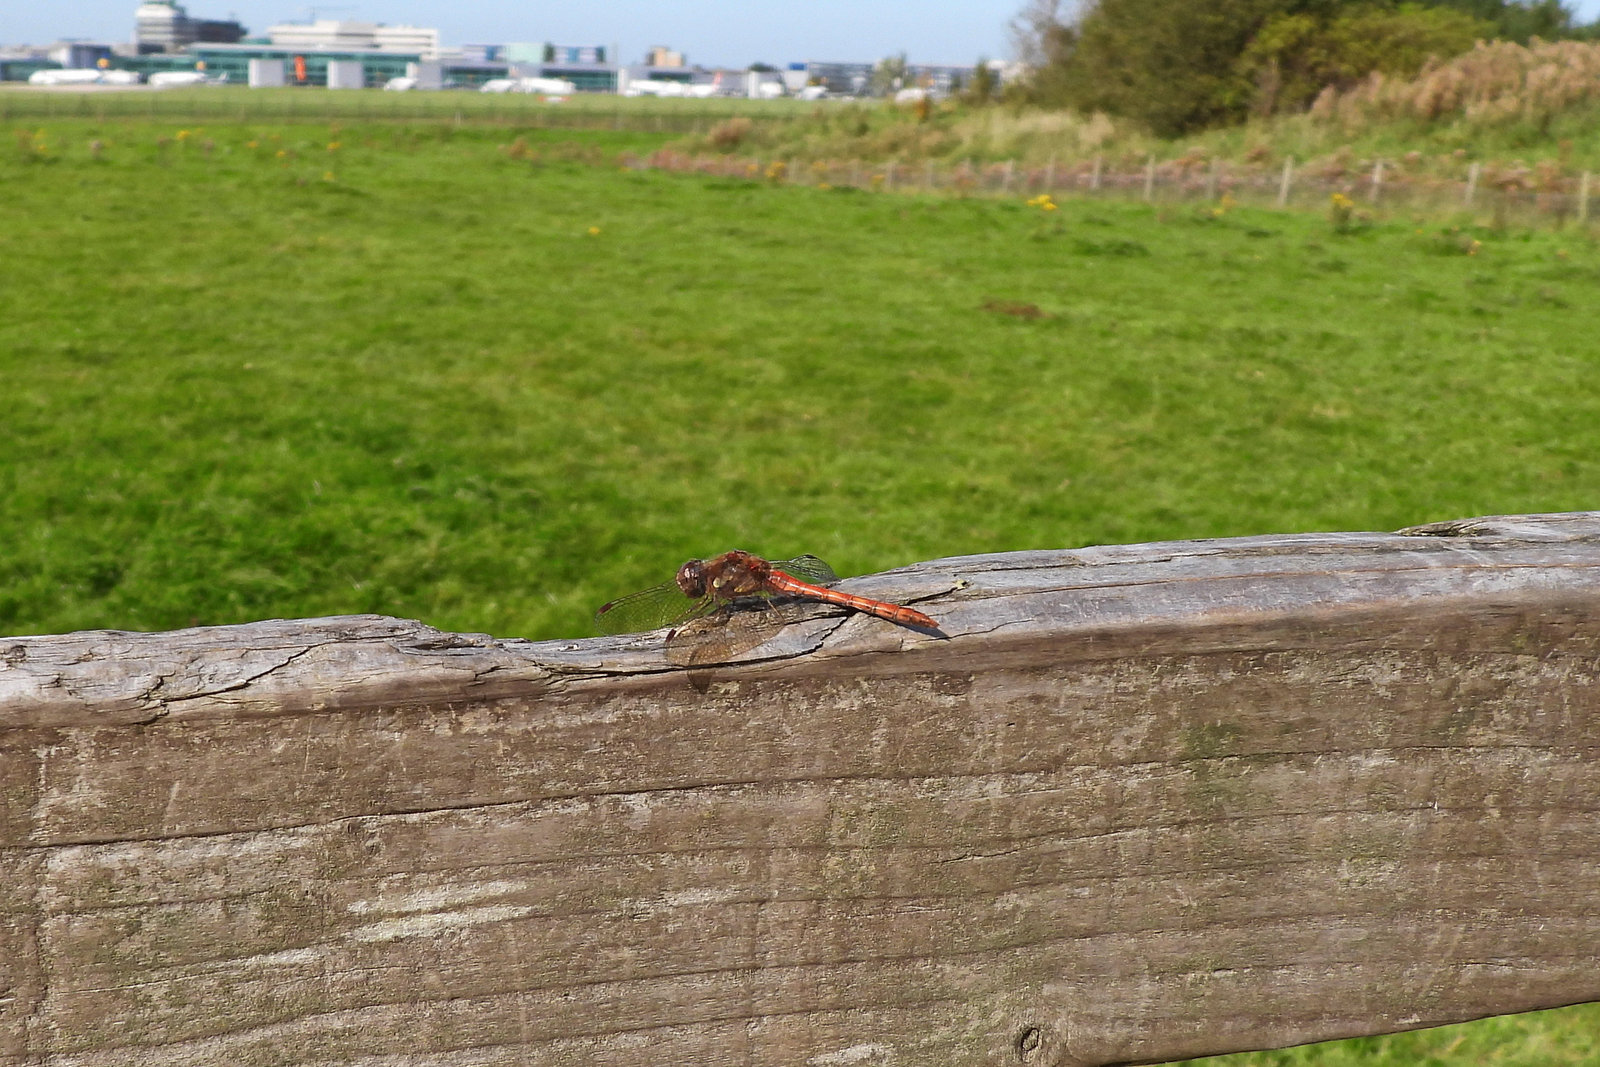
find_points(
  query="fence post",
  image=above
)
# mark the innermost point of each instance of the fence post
(1583, 198)
(1005, 180)
(1283, 182)
(888, 177)
(1050, 174)
(928, 177)
(1150, 177)
(1377, 181)
(1094, 178)
(1472, 184)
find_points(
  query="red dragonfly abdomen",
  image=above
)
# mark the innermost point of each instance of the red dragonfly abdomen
(780, 582)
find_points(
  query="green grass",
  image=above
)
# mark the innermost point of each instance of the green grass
(1566, 1037)
(237, 104)
(403, 376)
(238, 389)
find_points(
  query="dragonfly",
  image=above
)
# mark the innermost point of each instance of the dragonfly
(703, 586)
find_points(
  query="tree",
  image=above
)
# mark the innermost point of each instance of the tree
(984, 85)
(1043, 41)
(890, 75)
(1295, 57)
(1179, 65)
(1519, 20)
(1169, 63)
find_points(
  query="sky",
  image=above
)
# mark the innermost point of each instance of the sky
(711, 33)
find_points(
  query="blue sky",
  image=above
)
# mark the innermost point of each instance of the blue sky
(709, 32)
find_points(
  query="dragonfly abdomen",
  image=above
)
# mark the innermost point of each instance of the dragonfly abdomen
(896, 613)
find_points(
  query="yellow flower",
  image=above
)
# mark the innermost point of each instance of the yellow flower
(333, 146)
(183, 135)
(282, 153)
(327, 175)
(594, 231)
(252, 144)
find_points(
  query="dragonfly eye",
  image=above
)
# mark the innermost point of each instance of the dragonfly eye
(692, 578)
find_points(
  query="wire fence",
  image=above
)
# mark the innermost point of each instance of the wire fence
(1519, 195)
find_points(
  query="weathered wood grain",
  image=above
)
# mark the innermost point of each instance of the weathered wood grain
(1146, 802)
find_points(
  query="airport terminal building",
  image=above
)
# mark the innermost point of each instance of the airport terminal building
(355, 54)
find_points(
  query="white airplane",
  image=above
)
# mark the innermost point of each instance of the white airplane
(172, 79)
(707, 89)
(400, 85)
(650, 87)
(548, 86)
(85, 76)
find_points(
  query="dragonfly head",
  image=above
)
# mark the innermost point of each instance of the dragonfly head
(692, 578)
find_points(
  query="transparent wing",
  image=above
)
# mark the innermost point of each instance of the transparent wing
(650, 609)
(807, 569)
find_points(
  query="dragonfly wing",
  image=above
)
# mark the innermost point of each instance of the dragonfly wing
(807, 569)
(650, 609)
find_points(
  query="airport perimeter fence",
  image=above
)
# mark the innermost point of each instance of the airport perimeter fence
(1518, 195)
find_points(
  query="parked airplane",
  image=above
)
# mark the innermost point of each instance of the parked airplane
(172, 79)
(707, 89)
(86, 76)
(650, 87)
(547, 86)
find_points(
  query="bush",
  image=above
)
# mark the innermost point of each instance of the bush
(1296, 57)
(729, 134)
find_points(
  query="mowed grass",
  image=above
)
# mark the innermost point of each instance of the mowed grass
(236, 104)
(442, 373)
(1565, 1037)
(249, 372)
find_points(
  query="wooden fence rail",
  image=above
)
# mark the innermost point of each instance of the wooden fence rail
(1144, 802)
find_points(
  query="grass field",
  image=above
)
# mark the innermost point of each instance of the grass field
(237, 104)
(252, 375)
(489, 379)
